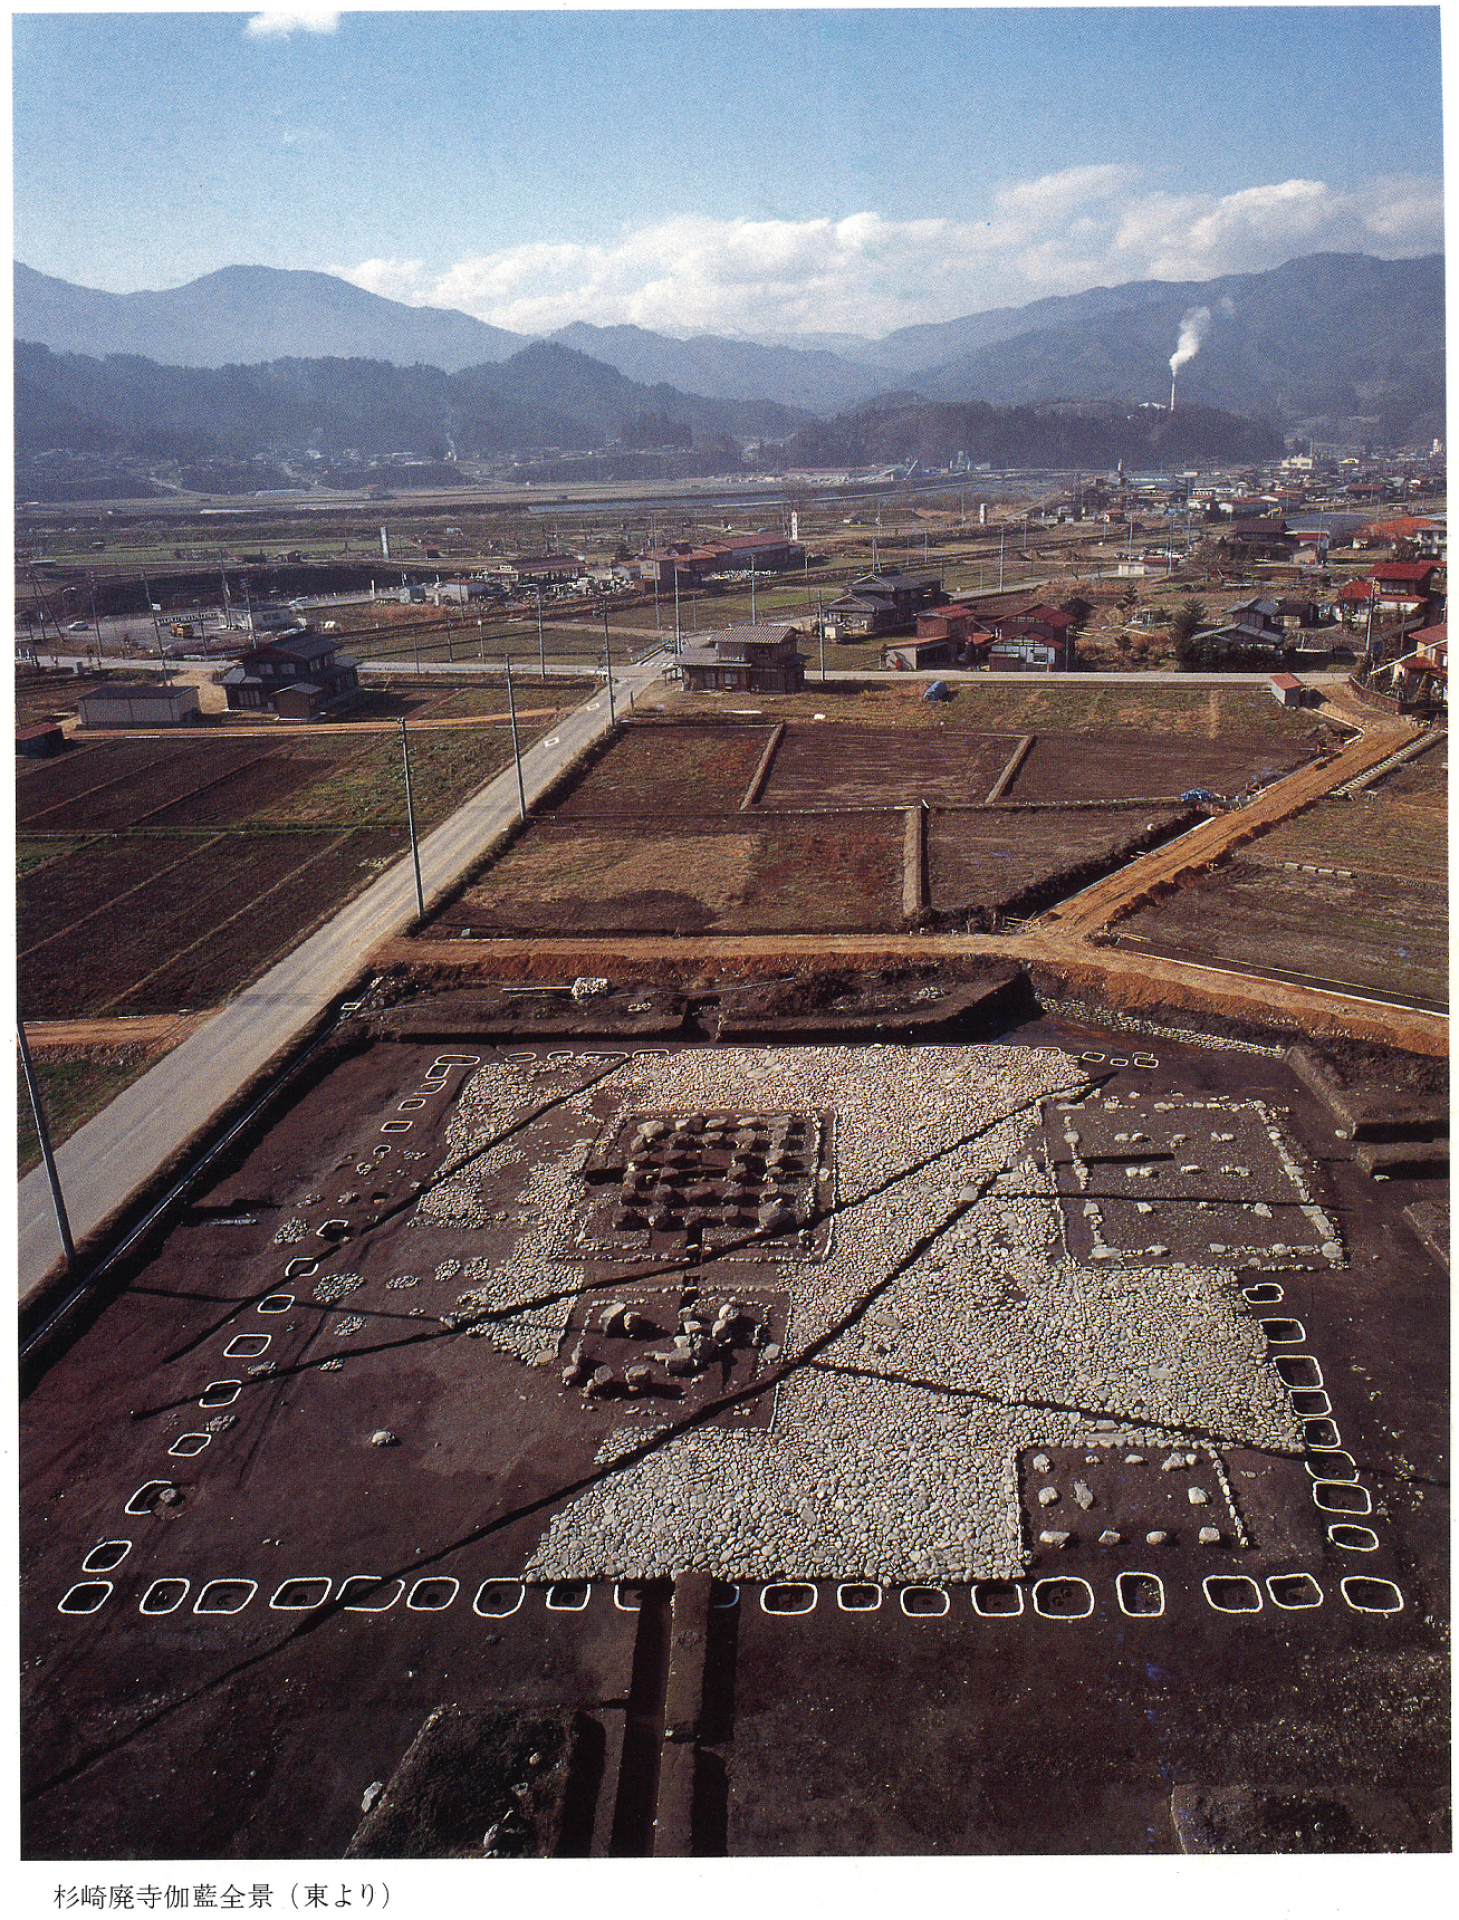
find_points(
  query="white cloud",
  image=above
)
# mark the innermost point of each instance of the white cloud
(1199, 236)
(1086, 226)
(290, 20)
(1064, 193)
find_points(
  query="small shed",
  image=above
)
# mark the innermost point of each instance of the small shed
(1287, 690)
(301, 701)
(918, 655)
(39, 740)
(141, 703)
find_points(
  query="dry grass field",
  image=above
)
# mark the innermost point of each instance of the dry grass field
(1381, 936)
(1394, 839)
(786, 873)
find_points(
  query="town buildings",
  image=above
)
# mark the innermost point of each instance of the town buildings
(748, 659)
(887, 602)
(296, 677)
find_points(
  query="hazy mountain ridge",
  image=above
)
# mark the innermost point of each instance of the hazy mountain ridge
(249, 315)
(546, 395)
(1318, 341)
(1060, 435)
(729, 368)
(1339, 345)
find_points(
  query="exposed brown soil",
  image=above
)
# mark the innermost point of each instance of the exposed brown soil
(823, 766)
(1381, 936)
(742, 873)
(129, 1030)
(1143, 983)
(1112, 766)
(835, 1732)
(1421, 781)
(1395, 839)
(140, 928)
(1217, 838)
(1009, 861)
(662, 770)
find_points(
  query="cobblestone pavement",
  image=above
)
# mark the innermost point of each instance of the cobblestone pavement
(946, 1331)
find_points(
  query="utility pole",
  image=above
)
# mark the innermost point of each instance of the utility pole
(156, 633)
(1002, 536)
(541, 654)
(420, 899)
(678, 635)
(752, 589)
(516, 742)
(608, 663)
(821, 630)
(95, 623)
(42, 1135)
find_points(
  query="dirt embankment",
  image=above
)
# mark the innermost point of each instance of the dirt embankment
(1140, 984)
(1215, 840)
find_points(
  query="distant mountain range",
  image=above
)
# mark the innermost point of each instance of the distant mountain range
(1331, 343)
(544, 396)
(242, 316)
(88, 428)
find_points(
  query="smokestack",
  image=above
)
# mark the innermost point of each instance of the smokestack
(1192, 333)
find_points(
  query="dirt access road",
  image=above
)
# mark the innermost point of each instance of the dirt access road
(124, 1030)
(1085, 913)
(152, 1121)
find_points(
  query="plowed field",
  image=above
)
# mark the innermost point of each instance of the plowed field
(765, 876)
(1007, 859)
(668, 770)
(1118, 766)
(1383, 936)
(162, 922)
(833, 766)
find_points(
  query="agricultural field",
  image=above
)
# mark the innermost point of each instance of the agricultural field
(661, 769)
(1375, 917)
(1004, 860)
(787, 873)
(156, 874)
(1380, 936)
(152, 923)
(1076, 767)
(1422, 781)
(287, 780)
(819, 766)
(655, 836)
(1395, 839)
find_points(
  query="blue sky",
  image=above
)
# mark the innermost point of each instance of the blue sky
(724, 170)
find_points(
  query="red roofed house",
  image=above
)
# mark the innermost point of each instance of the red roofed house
(1387, 533)
(1421, 678)
(1039, 639)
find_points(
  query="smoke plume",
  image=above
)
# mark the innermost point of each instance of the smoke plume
(1192, 332)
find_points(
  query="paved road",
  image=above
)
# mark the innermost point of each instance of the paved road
(108, 1159)
(1092, 678)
